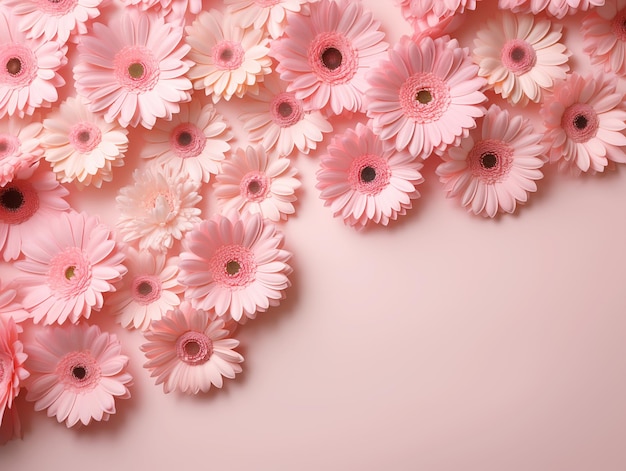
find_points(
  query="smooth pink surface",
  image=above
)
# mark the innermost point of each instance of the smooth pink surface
(445, 342)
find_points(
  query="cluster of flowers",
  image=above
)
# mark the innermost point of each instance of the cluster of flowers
(158, 68)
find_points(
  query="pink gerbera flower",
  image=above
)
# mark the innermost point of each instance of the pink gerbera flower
(253, 181)
(148, 290)
(585, 120)
(67, 268)
(230, 60)
(189, 350)
(193, 142)
(234, 265)
(364, 179)
(277, 119)
(134, 69)
(158, 208)
(29, 75)
(12, 358)
(77, 372)
(427, 14)
(556, 8)
(19, 146)
(496, 166)
(265, 14)
(81, 146)
(324, 58)
(520, 56)
(27, 204)
(425, 96)
(604, 36)
(54, 19)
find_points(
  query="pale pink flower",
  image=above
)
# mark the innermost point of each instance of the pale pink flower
(70, 262)
(265, 14)
(365, 180)
(235, 265)
(425, 96)
(604, 36)
(427, 14)
(172, 9)
(54, 19)
(496, 166)
(193, 142)
(81, 146)
(277, 119)
(77, 372)
(253, 181)
(324, 57)
(229, 60)
(557, 8)
(189, 350)
(10, 307)
(585, 121)
(133, 69)
(27, 204)
(29, 75)
(147, 291)
(12, 358)
(520, 56)
(158, 208)
(19, 146)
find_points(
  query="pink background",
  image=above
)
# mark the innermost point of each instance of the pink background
(444, 342)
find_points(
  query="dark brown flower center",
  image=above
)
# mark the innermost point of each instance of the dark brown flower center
(226, 55)
(332, 58)
(184, 138)
(233, 267)
(136, 70)
(581, 121)
(11, 199)
(368, 174)
(84, 136)
(518, 54)
(424, 97)
(144, 288)
(488, 160)
(79, 372)
(14, 66)
(69, 272)
(285, 109)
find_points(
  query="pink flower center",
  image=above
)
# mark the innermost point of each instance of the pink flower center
(233, 266)
(580, 122)
(332, 58)
(146, 289)
(187, 140)
(424, 97)
(618, 25)
(9, 146)
(194, 348)
(518, 56)
(136, 69)
(227, 55)
(57, 7)
(78, 371)
(490, 160)
(20, 65)
(286, 110)
(369, 174)
(18, 202)
(254, 186)
(85, 137)
(69, 273)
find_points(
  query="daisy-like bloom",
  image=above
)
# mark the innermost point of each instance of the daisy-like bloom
(12, 358)
(585, 120)
(67, 267)
(29, 75)
(134, 69)
(520, 56)
(53, 19)
(426, 14)
(256, 182)
(496, 166)
(19, 146)
(158, 208)
(229, 60)
(324, 57)
(77, 372)
(265, 14)
(148, 290)
(277, 120)
(189, 350)
(364, 179)
(235, 265)
(81, 146)
(193, 142)
(557, 8)
(425, 96)
(604, 36)
(27, 204)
